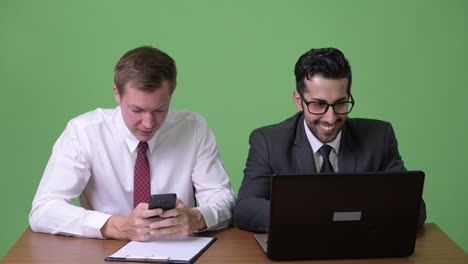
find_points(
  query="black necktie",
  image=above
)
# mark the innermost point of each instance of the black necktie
(326, 165)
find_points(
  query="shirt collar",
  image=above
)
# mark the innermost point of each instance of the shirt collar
(317, 144)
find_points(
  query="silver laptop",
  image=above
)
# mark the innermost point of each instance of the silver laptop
(343, 215)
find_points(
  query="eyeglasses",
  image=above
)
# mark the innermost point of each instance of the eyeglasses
(319, 107)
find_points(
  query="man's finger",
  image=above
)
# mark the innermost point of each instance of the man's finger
(164, 223)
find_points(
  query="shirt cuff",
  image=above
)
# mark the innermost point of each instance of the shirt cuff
(209, 217)
(93, 224)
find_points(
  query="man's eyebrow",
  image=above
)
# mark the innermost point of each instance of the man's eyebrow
(325, 101)
(342, 99)
(162, 107)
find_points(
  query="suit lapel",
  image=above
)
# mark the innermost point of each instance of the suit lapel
(346, 157)
(302, 152)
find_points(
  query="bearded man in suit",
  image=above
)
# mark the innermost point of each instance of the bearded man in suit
(323, 98)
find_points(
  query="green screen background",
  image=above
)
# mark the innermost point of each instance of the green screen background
(235, 61)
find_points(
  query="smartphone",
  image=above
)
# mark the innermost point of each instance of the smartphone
(164, 201)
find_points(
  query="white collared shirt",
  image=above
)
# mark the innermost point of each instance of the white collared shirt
(94, 159)
(317, 144)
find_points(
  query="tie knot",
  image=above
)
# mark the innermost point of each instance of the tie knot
(325, 151)
(142, 147)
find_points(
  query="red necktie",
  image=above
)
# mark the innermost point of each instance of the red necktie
(141, 180)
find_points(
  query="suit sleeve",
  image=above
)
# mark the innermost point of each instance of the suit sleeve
(253, 203)
(392, 158)
(393, 162)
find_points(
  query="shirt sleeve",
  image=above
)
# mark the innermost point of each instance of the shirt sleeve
(213, 190)
(66, 175)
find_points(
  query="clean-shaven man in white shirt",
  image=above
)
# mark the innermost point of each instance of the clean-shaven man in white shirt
(94, 159)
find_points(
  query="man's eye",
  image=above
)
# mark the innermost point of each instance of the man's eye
(136, 110)
(319, 104)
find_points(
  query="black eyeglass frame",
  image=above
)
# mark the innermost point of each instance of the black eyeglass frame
(351, 101)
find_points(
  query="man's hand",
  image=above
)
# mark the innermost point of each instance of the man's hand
(135, 226)
(180, 221)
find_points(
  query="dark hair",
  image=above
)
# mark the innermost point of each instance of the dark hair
(147, 68)
(330, 63)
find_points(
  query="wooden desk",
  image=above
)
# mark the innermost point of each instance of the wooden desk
(233, 246)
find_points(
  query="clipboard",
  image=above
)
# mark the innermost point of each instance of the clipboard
(163, 250)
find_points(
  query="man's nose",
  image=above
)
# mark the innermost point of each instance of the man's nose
(148, 120)
(329, 116)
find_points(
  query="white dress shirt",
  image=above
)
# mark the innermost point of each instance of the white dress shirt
(317, 144)
(94, 159)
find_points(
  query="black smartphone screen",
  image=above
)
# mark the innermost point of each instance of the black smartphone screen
(164, 201)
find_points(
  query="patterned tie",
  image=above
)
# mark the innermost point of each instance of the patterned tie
(141, 180)
(326, 165)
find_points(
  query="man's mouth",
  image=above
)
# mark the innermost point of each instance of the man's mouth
(327, 127)
(145, 132)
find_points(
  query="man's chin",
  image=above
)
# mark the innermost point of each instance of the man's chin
(327, 138)
(144, 136)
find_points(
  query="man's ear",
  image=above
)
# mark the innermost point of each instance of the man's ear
(116, 94)
(297, 100)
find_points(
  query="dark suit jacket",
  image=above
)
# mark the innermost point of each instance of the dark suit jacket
(366, 145)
